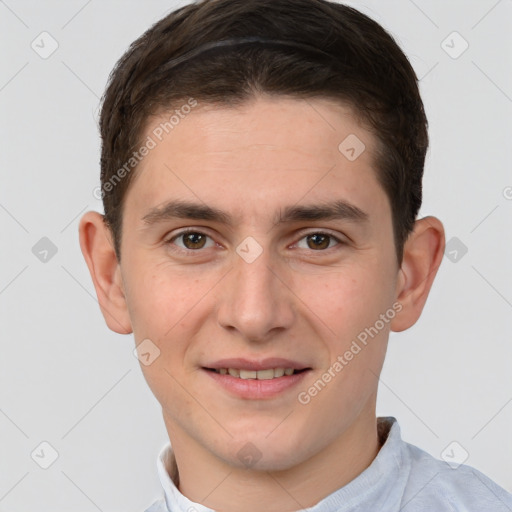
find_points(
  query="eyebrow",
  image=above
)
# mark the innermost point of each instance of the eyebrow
(185, 210)
(335, 210)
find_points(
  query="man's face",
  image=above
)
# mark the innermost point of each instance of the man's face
(263, 276)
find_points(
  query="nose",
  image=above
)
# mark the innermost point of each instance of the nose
(256, 302)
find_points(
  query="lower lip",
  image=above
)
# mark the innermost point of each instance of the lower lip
(254, 389)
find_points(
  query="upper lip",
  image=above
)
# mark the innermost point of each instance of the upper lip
(252, 364)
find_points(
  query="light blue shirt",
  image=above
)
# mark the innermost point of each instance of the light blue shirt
(401, 478)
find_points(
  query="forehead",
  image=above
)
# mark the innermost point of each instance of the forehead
(265, 152)
(280, 124)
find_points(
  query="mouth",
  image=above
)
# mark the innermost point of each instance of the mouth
(256, 380)
(265, 374)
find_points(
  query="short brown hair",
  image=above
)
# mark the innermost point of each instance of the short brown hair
(339, 53)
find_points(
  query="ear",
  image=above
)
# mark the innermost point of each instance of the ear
(98, 250)
(423, 253)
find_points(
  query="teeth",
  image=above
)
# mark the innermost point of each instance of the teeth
(248, 374)
(270, 373)
(264, 374)
(278, 372)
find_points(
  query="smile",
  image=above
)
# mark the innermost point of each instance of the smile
(261, 383)
(267, 374)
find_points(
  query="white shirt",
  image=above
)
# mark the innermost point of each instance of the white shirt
(401, 478)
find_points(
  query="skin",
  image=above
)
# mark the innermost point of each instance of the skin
(293, 301)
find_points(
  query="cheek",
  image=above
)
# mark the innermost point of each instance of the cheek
(162, 297)
(351, 306)
(347, 300)
(149, 297)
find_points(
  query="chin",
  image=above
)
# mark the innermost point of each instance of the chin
(264, 452)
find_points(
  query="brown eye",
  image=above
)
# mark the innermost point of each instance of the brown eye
(190, 243)
(318, 241)
(193, 240)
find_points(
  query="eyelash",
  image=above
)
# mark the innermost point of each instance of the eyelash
(191, 252)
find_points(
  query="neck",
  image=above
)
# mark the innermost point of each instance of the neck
(206, 479)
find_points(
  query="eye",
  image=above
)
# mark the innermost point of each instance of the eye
(318, 241)
(191, 240)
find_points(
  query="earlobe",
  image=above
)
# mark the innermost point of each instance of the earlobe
(99, 254)
(423, 253)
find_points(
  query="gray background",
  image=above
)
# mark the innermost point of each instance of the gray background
(67, 380)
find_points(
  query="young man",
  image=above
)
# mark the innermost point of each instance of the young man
(261, 175)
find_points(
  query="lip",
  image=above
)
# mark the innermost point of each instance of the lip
(254, 389)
